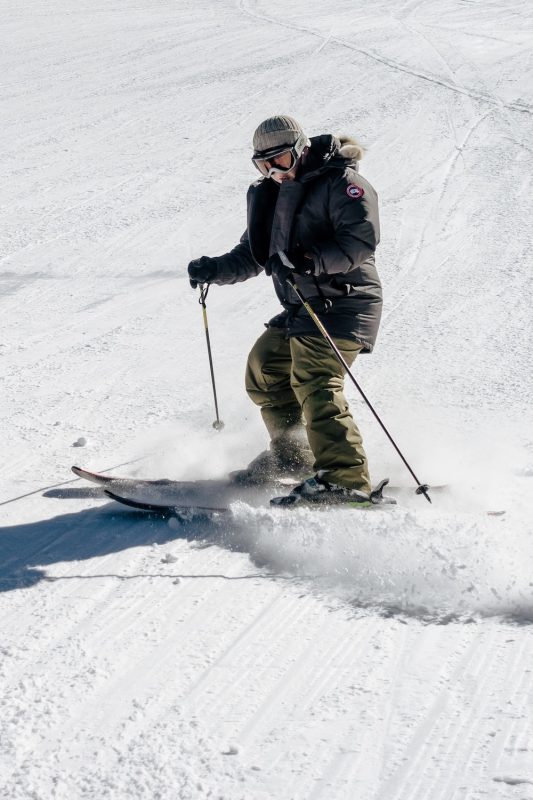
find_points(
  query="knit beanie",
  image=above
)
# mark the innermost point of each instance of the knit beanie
(277, 131)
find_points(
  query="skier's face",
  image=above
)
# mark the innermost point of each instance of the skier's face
(281, 166)
(283, 161)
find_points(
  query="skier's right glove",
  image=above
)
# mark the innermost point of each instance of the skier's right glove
(202, 270)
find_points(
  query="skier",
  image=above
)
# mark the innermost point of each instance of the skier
(310, 215)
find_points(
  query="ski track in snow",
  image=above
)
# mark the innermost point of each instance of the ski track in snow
(301, 656)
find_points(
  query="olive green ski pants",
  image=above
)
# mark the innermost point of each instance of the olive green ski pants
(287, 377)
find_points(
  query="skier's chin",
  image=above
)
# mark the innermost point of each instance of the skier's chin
(283, 178)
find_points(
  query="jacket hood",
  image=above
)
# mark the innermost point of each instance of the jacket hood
(328, 151)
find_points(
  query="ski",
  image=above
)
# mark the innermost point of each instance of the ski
(164, 510)
(163, 496)
(181, 508)
(166, 497)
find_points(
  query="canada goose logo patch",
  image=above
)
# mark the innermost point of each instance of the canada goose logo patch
(355, 192)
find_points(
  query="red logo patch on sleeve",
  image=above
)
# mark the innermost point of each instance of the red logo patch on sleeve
(355, 192)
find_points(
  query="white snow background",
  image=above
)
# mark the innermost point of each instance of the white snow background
(382, 655)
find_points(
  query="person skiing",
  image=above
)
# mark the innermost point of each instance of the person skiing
(313, 217)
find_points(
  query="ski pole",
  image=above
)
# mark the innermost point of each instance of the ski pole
(217, 424)
(422, 488)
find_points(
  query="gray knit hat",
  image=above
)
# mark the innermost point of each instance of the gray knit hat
(277, 131)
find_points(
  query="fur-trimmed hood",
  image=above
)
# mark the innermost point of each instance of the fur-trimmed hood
(350, 148)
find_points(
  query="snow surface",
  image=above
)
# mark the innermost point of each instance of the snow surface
(385, 655)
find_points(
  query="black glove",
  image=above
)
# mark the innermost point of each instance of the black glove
(301, 262)
(202, 270)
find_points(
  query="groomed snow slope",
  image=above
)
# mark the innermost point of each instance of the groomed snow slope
(273, 656)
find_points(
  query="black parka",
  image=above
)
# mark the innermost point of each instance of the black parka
(332, 213)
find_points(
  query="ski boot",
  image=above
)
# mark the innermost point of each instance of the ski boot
(282, 461)
(318, 491)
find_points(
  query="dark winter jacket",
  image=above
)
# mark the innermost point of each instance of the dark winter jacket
(331, 212)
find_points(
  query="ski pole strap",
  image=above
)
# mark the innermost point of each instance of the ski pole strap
(422, 488)
(204, 289)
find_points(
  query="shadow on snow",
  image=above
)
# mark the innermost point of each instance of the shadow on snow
(27, 549)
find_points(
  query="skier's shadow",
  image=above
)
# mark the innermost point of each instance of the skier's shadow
(26, 550)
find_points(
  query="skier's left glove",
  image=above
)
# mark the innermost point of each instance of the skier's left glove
(301, 262)
(202, 270)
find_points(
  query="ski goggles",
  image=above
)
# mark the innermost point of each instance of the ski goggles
(266, 160)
